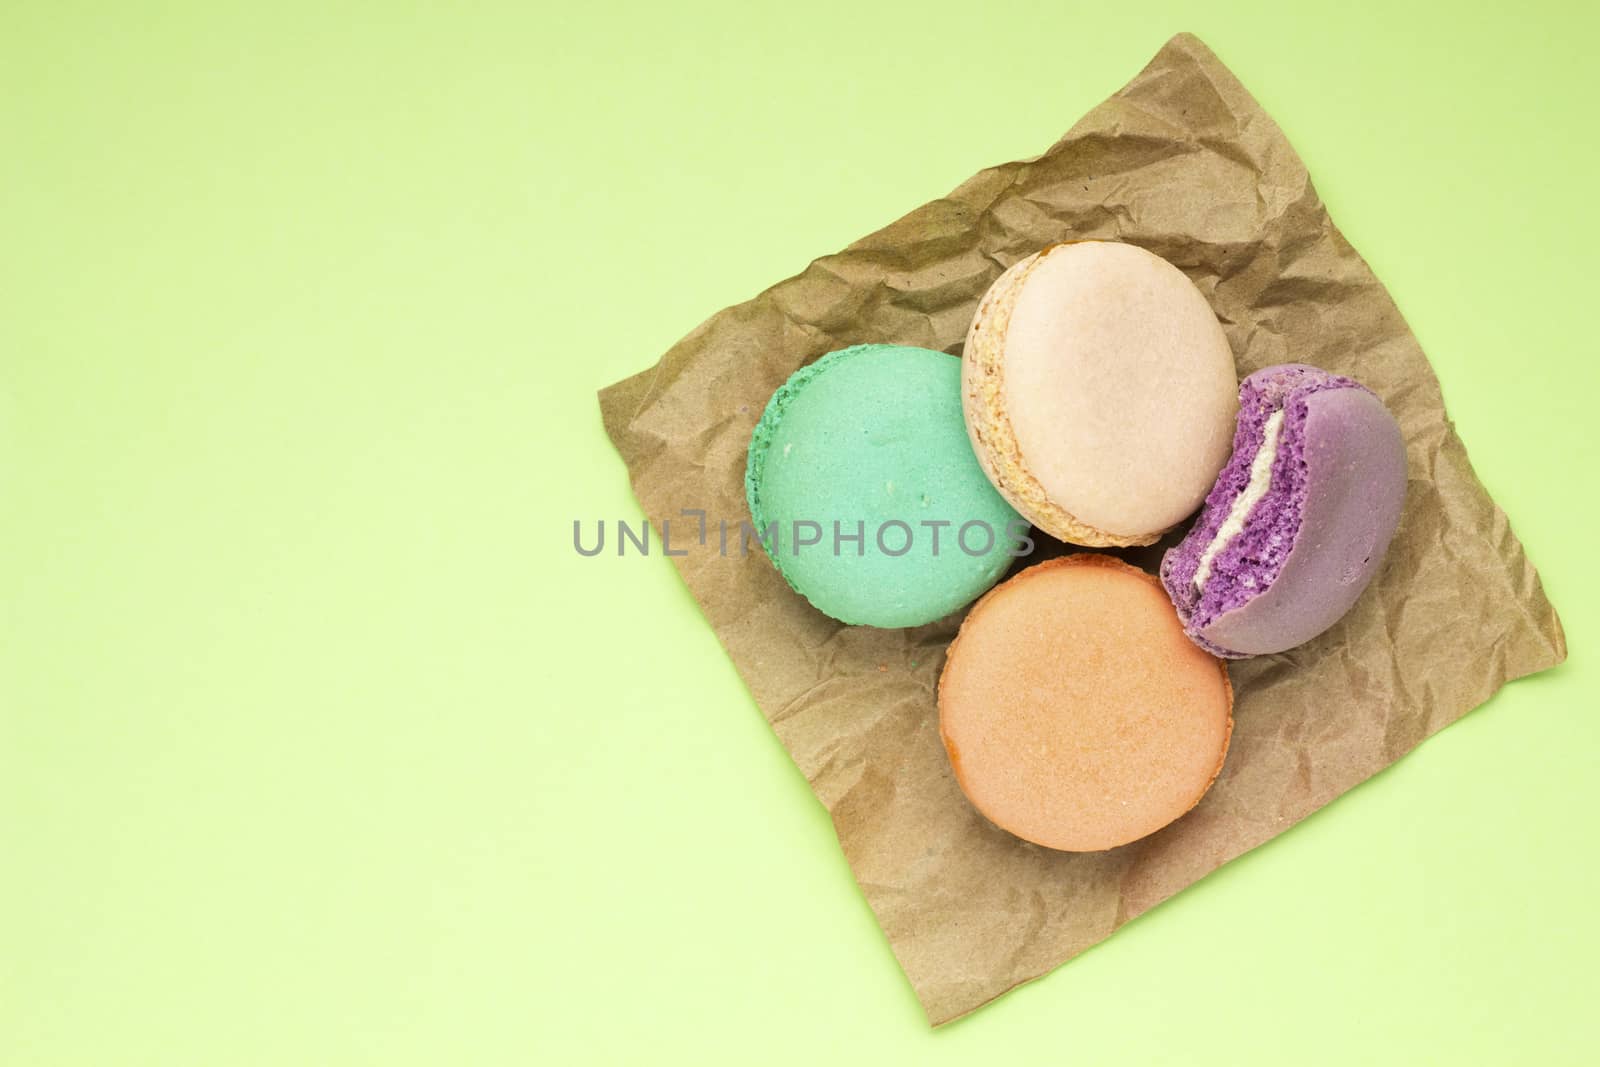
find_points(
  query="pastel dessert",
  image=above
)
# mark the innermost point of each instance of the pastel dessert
(1299, 520)
(1099, 392)
(879, 513)
(1075, 712)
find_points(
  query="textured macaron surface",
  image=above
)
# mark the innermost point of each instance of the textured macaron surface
(861, 468)
(1075, 712)
(1100, 391)
(1301, 548)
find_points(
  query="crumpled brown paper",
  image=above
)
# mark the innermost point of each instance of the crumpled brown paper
(1185, 163)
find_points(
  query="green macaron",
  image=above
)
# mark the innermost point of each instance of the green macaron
(867, 495)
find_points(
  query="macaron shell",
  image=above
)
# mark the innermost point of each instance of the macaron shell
(1075, 711)
(866, 436)
(989, 425)
(1100, 392)
(1355, 489)
(1123, 394)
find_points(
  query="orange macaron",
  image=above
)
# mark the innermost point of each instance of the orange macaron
(1076, 713)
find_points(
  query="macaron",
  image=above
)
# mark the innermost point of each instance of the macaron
(872, 503)
(1099, 392)
(1075, 712)
(1299, 520)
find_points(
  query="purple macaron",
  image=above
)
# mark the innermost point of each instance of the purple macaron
(1299, 519)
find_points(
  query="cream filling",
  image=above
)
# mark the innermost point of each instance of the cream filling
(1254, 490)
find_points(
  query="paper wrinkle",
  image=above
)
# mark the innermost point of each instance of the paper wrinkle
(1184, 162)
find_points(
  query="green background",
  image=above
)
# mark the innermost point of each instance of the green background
(318, 744)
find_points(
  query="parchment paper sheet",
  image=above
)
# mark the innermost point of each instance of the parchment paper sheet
(1185, 163)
